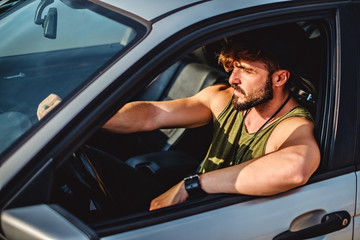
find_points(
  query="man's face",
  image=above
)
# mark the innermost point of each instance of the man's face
(252, 84)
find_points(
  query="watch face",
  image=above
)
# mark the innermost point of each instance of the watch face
(192, 186)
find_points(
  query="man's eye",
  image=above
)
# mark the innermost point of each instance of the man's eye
(247, 70)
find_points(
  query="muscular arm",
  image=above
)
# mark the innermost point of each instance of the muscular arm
(146, 116)
(290, 165)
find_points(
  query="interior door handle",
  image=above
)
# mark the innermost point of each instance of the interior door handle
(329, 223)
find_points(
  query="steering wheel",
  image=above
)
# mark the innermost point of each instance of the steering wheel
(90, 185)
(101, 198)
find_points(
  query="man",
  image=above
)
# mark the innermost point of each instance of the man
(263, 140)
(238, 160)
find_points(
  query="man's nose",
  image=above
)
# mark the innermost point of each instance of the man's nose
(234, 77)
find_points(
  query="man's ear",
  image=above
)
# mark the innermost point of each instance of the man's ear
(281, 77)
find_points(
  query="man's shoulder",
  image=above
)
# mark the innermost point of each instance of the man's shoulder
(290, 129)
(219, 88)
(294, 118)
(295, 121)
(223, 91)
(219, 91)
(219, 96)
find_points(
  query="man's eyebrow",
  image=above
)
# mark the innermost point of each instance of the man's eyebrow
(248, 68)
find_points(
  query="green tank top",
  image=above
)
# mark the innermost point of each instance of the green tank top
(222, 149)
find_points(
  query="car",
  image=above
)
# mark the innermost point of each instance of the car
(59, 176)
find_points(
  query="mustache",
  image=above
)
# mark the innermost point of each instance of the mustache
(238, 88)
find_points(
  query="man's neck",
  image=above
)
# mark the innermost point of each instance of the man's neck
(258, 115)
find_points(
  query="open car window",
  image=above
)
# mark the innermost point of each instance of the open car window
(92, 185)
(53, 47)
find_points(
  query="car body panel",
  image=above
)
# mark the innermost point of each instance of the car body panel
(34, 218)
(357, 210)
(148, 9)
(315, 199)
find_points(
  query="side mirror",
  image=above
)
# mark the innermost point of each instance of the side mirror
(43, 222)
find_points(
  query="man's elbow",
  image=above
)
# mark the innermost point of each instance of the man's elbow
(300, 179)
(301, 173)
(305, 171)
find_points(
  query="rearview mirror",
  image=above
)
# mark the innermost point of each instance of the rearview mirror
(50, 24)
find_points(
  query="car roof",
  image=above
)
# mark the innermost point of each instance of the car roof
(150, 10)
(153, 10)
(157, 9)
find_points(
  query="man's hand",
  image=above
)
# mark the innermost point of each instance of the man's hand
(47, 105)
(176, 194)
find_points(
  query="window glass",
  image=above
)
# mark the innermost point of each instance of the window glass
(53, 47)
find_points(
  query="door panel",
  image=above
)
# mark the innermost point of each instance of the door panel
(263, 218)
(357, 210)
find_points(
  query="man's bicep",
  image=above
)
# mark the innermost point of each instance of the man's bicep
(300, 140)
(186, 112)
(193, 111)
(299, 146)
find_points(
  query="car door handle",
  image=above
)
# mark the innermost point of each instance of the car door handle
(329, 223)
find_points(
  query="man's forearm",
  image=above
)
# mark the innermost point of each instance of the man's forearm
(271, 174)
(133, 117)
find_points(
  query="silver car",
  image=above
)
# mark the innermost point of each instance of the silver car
(59, 175)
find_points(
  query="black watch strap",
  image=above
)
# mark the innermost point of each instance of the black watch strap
(192, 186)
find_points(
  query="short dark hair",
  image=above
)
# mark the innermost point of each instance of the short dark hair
(283, 46)
(241, 48)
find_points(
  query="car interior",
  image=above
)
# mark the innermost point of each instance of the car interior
(87, 185)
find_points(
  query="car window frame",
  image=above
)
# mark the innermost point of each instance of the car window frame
(221, 200)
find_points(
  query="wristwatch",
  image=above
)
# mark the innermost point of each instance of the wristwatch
(192, 186)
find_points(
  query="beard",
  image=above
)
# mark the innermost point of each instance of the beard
(253, 99)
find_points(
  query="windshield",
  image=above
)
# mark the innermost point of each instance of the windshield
(53, 46)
